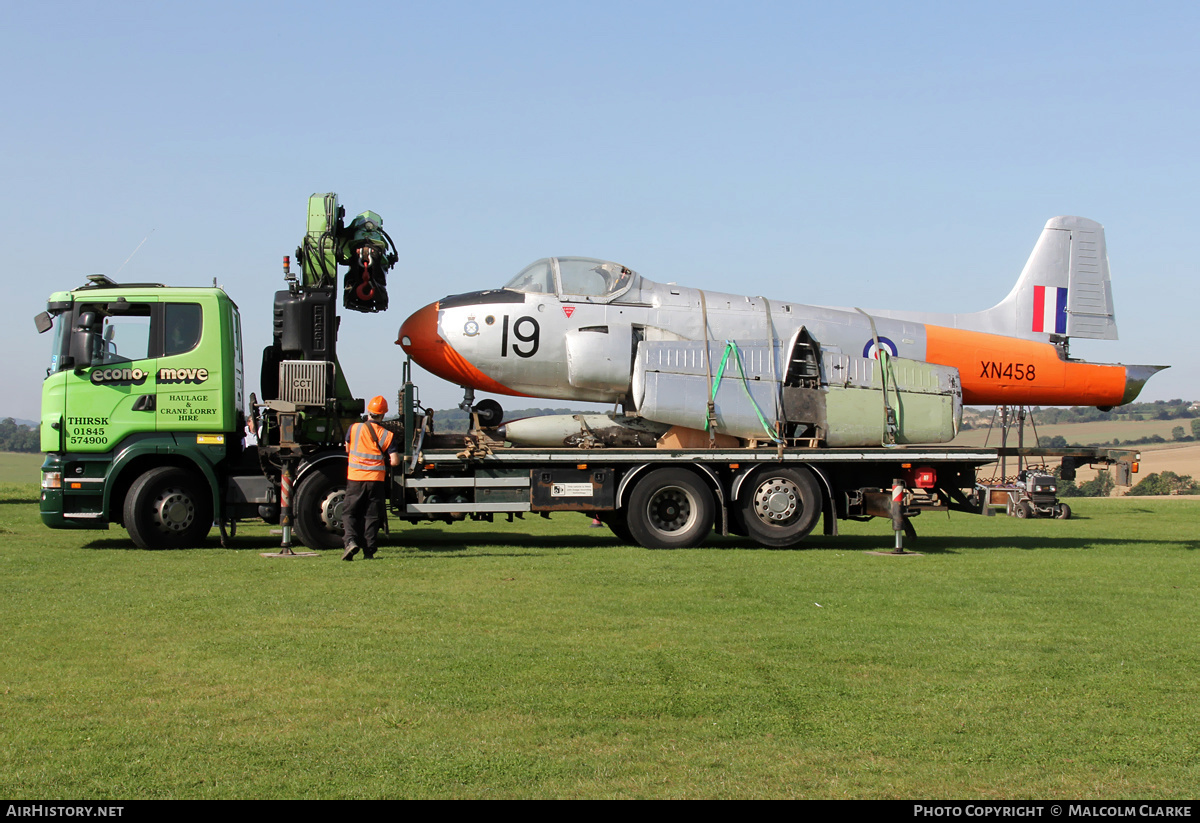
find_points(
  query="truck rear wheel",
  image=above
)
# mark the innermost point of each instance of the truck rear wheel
(618, 526)
(167, 508)
(317, 509)
(778, 507)
(670, 509)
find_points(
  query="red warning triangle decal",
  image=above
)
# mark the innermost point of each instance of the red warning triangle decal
(568, 310)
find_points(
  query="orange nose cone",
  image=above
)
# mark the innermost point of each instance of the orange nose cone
(420, 340)
(419, 335)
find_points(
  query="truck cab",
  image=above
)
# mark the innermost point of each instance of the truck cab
(140, 377)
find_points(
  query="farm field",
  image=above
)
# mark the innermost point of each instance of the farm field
(1083, 433)
(1181, 458)
(1043, 658)
(20, 468)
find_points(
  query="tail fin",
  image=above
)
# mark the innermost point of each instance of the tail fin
(1064, 288)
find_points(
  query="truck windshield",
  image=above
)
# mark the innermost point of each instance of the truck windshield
(58, 343)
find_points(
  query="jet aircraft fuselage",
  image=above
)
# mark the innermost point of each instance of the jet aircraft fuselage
(570, 328)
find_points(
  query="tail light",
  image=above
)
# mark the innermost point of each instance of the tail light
(922, 477)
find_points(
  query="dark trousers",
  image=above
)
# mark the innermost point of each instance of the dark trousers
(363, 512)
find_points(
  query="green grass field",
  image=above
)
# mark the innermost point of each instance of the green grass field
(20, 468)
(1014, 659)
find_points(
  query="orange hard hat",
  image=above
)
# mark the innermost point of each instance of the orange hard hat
(378, 405)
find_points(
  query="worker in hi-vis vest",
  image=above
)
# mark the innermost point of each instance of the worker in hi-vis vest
(366, 480)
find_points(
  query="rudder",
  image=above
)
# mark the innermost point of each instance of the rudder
(1064, 288)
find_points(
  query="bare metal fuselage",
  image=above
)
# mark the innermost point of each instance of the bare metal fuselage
(574, 329)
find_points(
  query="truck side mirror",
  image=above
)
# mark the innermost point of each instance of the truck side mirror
(43, 322)
(85, 342)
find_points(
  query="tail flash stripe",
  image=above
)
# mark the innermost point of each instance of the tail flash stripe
(1060, 312)
(1050, 309)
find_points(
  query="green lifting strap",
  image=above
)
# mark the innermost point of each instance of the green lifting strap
(730, 346)
(886, 369)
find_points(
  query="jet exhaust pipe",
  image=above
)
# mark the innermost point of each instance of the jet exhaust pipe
(1135, 379)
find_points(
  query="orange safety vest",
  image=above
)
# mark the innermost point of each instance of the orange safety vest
(366, 461)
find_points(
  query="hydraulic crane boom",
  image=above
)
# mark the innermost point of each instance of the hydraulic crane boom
(305, 315)
(363, 246)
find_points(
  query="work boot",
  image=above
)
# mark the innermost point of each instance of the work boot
(351, 550)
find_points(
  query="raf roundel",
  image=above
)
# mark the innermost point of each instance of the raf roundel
(870, 352)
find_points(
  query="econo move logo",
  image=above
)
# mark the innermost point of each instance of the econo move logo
(138, 376)
(134, 376)
(182, 375)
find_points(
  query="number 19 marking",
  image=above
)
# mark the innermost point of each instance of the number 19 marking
(532, 337)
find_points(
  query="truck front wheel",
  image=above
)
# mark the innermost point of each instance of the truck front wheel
(670, 509)
(167, 508)
(778, 507)
(317, 509)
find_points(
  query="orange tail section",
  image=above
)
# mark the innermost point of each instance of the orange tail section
(995, 369)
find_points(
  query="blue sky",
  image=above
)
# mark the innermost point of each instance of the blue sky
(881, 155)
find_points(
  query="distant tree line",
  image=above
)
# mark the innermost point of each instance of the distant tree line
(1178, 435)
(1100, 486)
(1158, 410)
(1176, 409)
(17, 438)
(1166, 483)
(1159, 483)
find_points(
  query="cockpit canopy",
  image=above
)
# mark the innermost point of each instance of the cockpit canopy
(575, 278)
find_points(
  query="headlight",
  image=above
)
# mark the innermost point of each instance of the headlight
(51, 480)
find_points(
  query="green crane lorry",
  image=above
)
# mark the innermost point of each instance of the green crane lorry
(146, 423)
(144, 407)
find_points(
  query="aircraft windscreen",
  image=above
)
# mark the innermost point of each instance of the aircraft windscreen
(577, 276)
(536, 278)
(592, 278)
